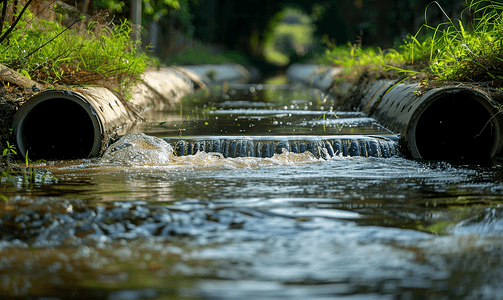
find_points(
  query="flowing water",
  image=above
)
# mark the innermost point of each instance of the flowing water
(261, 192)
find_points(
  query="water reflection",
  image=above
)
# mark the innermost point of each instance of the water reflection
(285, 226)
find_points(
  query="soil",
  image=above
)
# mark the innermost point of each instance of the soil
(11, 98)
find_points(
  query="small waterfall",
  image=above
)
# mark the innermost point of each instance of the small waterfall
(258, 147)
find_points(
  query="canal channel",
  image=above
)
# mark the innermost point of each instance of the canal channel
(261, 192)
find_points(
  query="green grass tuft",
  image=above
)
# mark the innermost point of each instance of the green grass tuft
(49, 52)
(464, 50)
(469, 49)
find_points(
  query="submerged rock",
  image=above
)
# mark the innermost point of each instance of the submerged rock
(138, 149)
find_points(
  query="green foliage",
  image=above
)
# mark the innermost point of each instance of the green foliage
(469, 49)
(47, 51)
(29, 174)
(9, 150)
(284, 40)
(155, 7)
(356, 60)
(111, 5)
(152, 10)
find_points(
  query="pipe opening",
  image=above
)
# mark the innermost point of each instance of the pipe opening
(56, 129)
(456, 127)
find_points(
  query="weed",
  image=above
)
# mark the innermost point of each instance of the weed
(472, 51)
(29, 174)
(51, 53)
(468, 49)
(9, 150)
(356, 60)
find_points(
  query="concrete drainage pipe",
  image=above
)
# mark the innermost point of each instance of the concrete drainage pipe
(79, 123)
(61, 124)
(448, 123)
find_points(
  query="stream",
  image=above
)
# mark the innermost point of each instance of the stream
(263, 192)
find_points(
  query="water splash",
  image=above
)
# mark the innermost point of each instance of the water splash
(266, 147)
(138, 149)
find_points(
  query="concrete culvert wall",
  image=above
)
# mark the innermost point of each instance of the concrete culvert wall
(450, 123)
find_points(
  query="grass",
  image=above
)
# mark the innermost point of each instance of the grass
(28, 173)
(468, 49)
(48, 52)
(357, 60)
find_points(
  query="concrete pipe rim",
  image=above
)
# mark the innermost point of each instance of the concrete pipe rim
(74, 109)
(481, 102)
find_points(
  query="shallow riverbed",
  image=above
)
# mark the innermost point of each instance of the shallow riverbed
(292, 225)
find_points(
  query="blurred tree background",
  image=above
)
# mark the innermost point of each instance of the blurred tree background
(281, 31)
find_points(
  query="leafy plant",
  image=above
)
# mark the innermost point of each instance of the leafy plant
(9, 150)
(49, 52)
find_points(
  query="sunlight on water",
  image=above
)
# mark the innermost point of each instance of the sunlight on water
(145, 221)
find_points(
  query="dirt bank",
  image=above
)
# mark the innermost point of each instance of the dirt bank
(11, 98)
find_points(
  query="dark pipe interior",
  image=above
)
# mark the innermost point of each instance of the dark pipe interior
(451, 129)
(57, 129)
